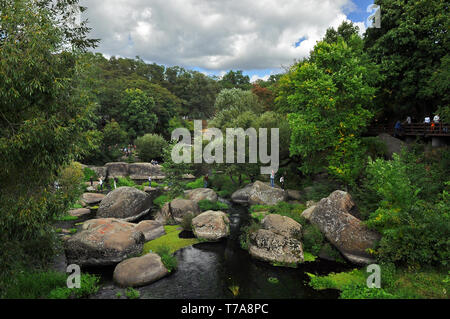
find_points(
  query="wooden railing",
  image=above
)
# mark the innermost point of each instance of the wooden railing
(414, 129)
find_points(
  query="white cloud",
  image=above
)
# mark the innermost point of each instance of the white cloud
(213, 34)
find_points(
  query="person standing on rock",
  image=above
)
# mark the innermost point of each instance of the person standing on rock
(150, 182)
(205, 181)
(91, 180)
(115, 182)
(272, 178)
(100, 182)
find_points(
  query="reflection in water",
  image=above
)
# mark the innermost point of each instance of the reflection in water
(207, 270)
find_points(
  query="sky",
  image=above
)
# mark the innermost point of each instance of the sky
(214, 36)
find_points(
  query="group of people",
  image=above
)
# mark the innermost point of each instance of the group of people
(128, 150)
(398, 129)
(272, 179)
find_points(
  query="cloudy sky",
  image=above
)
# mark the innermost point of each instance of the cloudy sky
(214, 36)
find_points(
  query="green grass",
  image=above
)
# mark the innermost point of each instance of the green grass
(167, 258)
(198, 183)
(49, 284)
(395, 283)
(76, 206)
(65, 218)
(34, 285)
(88, 286)
(308, 257)
(170, 240)
(132, 293)
(206, 204)
(273, 280)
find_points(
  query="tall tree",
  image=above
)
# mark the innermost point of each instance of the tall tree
(42, 111)
(409, 47)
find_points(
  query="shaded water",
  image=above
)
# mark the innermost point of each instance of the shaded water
(207, 270)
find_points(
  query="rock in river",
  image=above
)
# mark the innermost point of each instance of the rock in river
(174, 211)
(105, 241)
(278, 240)
(259, 193)
(139, 271)
(126, 203)
(211, 225)
(199, 194)
(346, 232)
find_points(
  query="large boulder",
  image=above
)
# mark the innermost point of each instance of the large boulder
(117, 169)
(282, 225)
(139, 271)
(103, 242)
(79, 212)
(127, 203)
(141, 171)
(271, 247)
(346, 232)
(199, 194)
(99, 170)
(92, 198)
(278, 241)
(259, 193)
(174, 211)
(211, 225)
(151, 229)
(393, 145)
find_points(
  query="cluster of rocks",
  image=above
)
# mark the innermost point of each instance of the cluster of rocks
(279, 239)
(111, 238)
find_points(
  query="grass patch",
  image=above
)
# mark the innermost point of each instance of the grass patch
(132, 293)
(273, 280)
(88, 286)
(170, 240)
(206, 204)
(65, 218)
(198, 183)
(167, 258)
(49, 284)
(308, 257)
(395, 283)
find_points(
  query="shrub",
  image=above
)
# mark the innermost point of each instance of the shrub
(186, 223)
(206, 204)
(313, 239)
(150, 146)
(246, 232)
(413, 231)
(132, 293)
(161, 200)
(169, 260)
(34, 284)
(89, 173)
(198, 183)
(88, 286)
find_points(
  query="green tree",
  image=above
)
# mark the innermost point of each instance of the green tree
(42, 119)
(345, 31)
(174, 172)
(235, 79)
(137, 116)
(328, 99)
(409, 48)
(150, 147)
